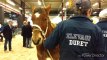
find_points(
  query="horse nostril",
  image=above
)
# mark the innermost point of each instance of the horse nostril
(38, 41)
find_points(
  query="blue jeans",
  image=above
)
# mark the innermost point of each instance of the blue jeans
(7, 41)
(28, 42)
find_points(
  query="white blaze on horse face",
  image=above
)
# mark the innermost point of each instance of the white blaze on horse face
(37, 14)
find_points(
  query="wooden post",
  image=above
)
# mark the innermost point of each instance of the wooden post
(62, 11)
(99, 4)
(23, 10)
(1, 15)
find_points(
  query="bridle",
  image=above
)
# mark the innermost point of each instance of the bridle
(47, 21)
(41, 31)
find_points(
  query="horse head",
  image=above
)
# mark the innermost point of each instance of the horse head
(40, 20)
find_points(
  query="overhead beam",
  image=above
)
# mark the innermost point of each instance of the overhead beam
(44, 0)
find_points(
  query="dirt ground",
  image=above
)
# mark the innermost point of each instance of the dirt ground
(18, 52)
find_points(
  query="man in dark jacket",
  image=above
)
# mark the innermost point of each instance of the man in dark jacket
(78, 37)
(103, 25)
(23, 33)
(7, 33)
(28, 35)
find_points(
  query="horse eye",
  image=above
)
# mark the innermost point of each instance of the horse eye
(45, 19)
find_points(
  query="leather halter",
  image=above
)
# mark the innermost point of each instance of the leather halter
(41, 31)
(47, 21)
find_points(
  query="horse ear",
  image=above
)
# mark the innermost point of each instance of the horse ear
(48, 8)
(33, 16)
(33, 8)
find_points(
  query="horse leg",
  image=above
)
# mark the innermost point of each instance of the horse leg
(41, 53)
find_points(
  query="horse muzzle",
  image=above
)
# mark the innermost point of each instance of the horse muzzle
(37, 42)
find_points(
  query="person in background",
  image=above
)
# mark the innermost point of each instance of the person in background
(23, 33)
(28, 35)
(78, 37)
(7, 33)
(103, 25)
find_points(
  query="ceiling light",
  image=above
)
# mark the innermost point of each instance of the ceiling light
(67, 3)
(39, 2)
(20, 8)
(64, 8)
(10, 2)
(95, 4)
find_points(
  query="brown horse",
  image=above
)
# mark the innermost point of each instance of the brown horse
(42, 30)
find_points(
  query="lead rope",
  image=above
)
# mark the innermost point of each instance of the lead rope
(44, 36)
(45, 39)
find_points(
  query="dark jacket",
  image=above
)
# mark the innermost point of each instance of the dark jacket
(26, 31)
(23, 33)
(78, 38)
(7, 32)
(103, 26)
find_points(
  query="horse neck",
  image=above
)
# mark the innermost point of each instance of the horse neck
(50, 29)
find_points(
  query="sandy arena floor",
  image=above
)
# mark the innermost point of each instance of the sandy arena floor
(18, 52)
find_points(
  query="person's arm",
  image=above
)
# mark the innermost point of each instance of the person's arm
(54, 38)
(99, 45)
(2, 28)
(22, 30)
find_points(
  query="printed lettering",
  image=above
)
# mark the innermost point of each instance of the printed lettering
(78, 43)
(78, 37)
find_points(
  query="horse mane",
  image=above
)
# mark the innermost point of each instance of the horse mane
(50, 28)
